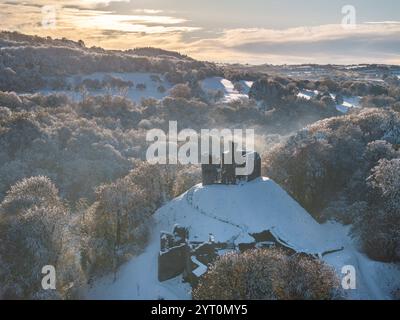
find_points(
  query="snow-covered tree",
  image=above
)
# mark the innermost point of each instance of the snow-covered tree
(267, 274)
(34, 227)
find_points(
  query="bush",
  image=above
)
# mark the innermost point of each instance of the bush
(10, 100)
(181, 91)
(268, 90)
(381, 101)
(396, 106)
(328, 101)
(141, 86)
(385, 180)
(113, 82)
(339, 99)
(35, 191)
(161, 89)
(267, 274)
(377, 150)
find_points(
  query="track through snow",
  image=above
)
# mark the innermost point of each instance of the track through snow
(230, 213)
(242, 236)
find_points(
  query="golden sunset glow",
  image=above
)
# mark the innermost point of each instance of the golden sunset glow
(212, 35)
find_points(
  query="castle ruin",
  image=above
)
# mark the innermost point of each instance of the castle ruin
(224, 171)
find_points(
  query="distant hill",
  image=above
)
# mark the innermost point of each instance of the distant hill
(157, 52)
(26, 61)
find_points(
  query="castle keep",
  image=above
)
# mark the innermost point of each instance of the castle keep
(224, 171)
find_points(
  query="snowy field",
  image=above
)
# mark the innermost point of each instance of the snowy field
(230, 94)
(229, 91)
(152, 83)
(230, 213)
(349, 102)
(149, 80)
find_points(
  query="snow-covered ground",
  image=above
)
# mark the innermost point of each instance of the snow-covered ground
(230, 213)
(209, 85)
(307, 94)
(230, 94)
(349, 102)
(151, 90)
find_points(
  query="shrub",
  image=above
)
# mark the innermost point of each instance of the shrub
(328, 101)
(10, 100)
(377, 150)
(35, 191)
(141, 86)
(267, 274)
(113, 82)
(181, 91)
(396, 106)
(161, 89)
(339, 99)
(381, 101)
(268, 90)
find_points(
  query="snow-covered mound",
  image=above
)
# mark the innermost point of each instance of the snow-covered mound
(231, 214)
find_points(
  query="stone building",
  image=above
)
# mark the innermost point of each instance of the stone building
(210, 172)
(174, 252)
(180, 256)
(225, 171)
(191, 259)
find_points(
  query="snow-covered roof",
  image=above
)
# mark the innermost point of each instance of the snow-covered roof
(201, 268)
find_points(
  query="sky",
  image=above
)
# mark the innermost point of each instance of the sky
(252, 31)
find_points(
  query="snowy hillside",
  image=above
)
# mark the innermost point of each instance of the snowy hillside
(231, 214)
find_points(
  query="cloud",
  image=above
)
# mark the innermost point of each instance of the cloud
(89, 19)
(234, 37)
(85, 4)
(382, 22)
(125, 23)
(148, 11)
(318, 44)
(97, 23)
